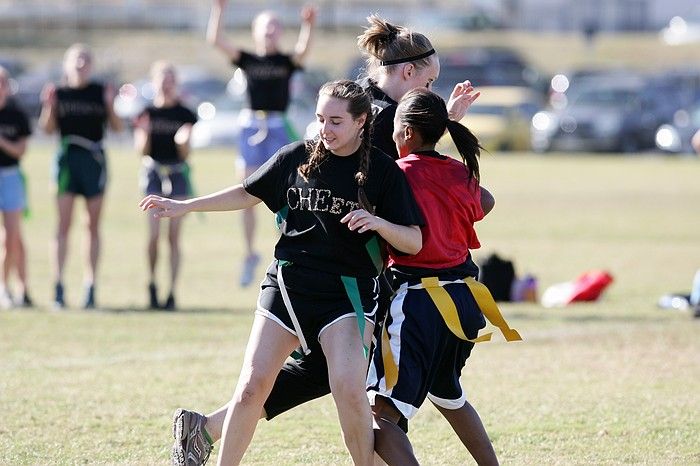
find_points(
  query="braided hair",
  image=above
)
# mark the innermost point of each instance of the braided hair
(426, 113)
(359, 103)
(382, 41)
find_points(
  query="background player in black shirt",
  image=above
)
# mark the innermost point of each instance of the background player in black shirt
(268, 72)
(14, 131)
(162, 136)
(80, 110)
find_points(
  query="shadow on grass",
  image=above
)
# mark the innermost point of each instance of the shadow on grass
(579, 318)
(140, 310)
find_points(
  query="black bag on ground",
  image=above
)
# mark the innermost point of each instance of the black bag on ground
(498, 275)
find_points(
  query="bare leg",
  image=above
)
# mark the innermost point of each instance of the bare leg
(390, 442)
(347, 372)
(152, 248)
(467, 424)
(268, 347)
(64, 203)
(94, 210)
(174, 238)
(13, 246)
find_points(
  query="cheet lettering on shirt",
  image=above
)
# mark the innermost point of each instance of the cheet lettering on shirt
(78, 108)
(8, 131)
(267, 71)
(319, 200)
(161, 126)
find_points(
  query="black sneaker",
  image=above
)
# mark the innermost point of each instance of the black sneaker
(59, 302)
(169, 303)
(153, 296)
(89, 302)
(26, 300)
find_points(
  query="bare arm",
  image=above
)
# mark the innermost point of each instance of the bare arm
(406, 239)
(47, 118)
(14, 149)
(233, 198)
(695, 142)
(114, 122)
(308, 19)
(182, 140)
(487, 201)
(142, 134)
(215, 35)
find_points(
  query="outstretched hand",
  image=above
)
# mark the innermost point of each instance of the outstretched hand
(162, 207)
(462, 97)
(308, 13)
(362, 221)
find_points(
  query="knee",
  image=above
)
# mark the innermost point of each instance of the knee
(252, 392)
(350, 394)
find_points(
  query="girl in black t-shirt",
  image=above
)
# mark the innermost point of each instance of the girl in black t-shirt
(14, 131)
(80, 110)
(398, 60)
(323, 283)
(268, 73)
(162, 136)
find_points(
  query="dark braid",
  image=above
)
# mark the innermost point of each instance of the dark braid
(426, 113)
(359, 104)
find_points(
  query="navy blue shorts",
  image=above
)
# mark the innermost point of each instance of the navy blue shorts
(423, 358)
(163, 180)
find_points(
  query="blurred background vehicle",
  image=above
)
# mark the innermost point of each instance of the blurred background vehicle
(485, 66)
(604, 114)
(674, 136)
(501, 117)
(219, 123)
(683, 29)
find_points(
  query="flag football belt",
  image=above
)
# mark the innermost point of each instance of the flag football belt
(165, 170)
(446, 306)
(353, 292)
(95, 148)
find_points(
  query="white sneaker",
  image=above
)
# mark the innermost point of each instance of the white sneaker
(6, 300)
(248, 270)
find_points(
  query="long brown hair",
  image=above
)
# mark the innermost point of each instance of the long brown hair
(359, 103)
(382, 41)
(426, 113)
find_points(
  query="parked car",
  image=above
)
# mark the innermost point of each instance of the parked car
(484, 66)
(674, 136)
(219, 123)
(619, 116)
(501, 117)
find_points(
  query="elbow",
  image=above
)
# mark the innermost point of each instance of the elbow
(416, 243)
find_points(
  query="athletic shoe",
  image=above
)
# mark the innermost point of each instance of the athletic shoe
(89, 301)
(5, 300)
(249, 269)
(169, 303)
(153, 296)
(26, 301)
(190, 448)
(59, 302)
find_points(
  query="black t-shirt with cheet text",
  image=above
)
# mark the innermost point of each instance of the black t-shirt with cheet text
(268, 78)
(164, 123)
(82, 111)
(312, 234)
(14, 125)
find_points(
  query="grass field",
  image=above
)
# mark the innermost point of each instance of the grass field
(611, 382)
